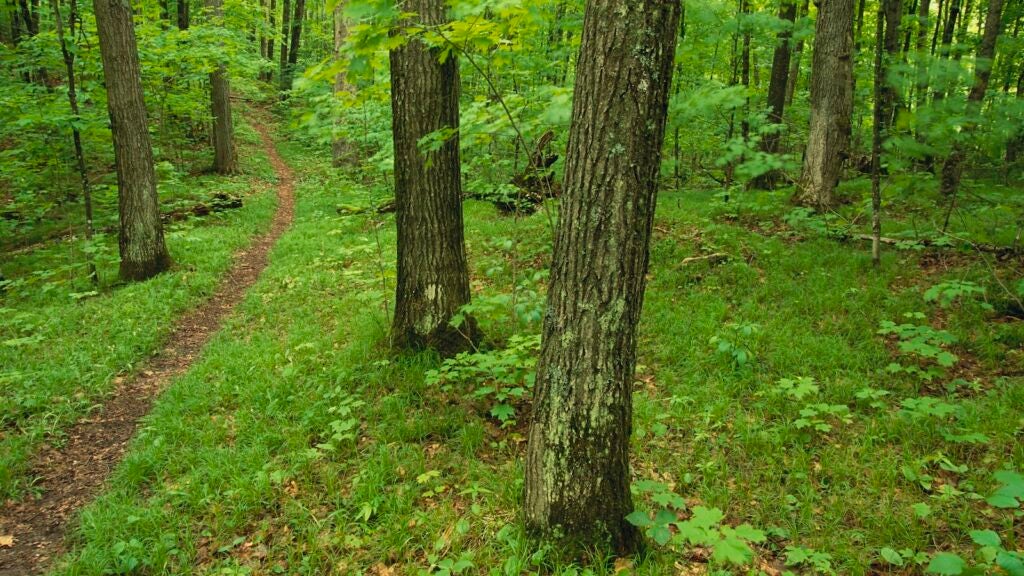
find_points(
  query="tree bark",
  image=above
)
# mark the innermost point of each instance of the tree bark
(183, 14)
(286, 28)
(831, 104)
(225, 160)
(294, 39)
(952, 168)
(268, 75)
(433, 274)
(76, 135)
(777, 93)
(794, 66)
(141, 240)
(342, 149)
(887, 38)
(577, 462)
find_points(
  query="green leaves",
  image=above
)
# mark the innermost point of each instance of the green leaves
(1010, 492)
(946, 564)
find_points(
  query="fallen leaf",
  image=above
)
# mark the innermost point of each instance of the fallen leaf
(6, 541)
(623, 565)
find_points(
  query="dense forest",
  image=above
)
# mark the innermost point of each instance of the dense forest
(566, 287)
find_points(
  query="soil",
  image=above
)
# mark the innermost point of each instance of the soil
(69, 477)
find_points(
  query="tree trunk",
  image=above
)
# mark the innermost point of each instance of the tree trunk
(952, 168)
(69, 66)
(268, 74)
(286, 28)
(294, 40)
(433, 275)
(141, 241)
(1016, 143)
(342, 149)
(745, 71)
(777, 94)
(577, 461)
(794, 66)
(225, 161)
(183, 14)
(887, 38)
(923, 15)
(831, 104)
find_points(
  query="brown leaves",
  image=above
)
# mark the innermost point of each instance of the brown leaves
(6, 540)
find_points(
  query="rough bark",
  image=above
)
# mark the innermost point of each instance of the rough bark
(342, 149)
(831, 104)
(777, 93)
(577, 463)
(952, 168)
(225, 160)
(141, 239)
(433, 275)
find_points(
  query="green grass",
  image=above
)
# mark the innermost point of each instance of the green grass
(63, 342)
(231, 472)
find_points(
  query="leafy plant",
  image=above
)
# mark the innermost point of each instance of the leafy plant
(946, 293)
(924, 344)
(735, 346)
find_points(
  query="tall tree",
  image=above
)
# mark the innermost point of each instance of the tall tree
(76, 133)
(577, 463)
(286, 28)
(294, 39)
(795, 60)
(887, 38)
(225, 161)
(777, 91)
(141, 239)
(341, 148)
(268, 74)
(183, 14)
(1016, 142)
(433, 274)
(828, 139)
(953, 167)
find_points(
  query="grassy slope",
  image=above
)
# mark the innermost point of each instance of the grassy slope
(226, 476)
(59, 355)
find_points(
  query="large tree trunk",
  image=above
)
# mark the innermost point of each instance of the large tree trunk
(828, 139)
(225, 161)
(141, 242)
(577, 462)
(777, 93)
(433, 275)
(952, 168)
(341, 148)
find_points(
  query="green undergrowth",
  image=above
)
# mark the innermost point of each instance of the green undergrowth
(64, 342)
(781, 423)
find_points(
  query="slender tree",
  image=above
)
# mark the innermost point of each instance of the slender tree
(828, 139)
(141, 240)
(225, 160)
(795, 61)
(76, 134)
(577, 463)
(433, 274)
(294, 39)
(286, 28)
(777, 91)
(268, 74)
(887, 38)
(341, 149)
(183, 14)
(1016, 142)
(953, 167)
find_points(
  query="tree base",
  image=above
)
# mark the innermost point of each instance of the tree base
(138, 271)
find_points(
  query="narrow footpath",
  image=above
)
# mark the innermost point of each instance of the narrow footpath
(71, 476)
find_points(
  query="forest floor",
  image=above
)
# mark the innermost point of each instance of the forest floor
(772, 388)
(68, 476)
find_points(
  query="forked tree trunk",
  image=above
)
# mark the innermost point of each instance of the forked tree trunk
(341, 148)
(225, 161)
(828, 139)
(141, 241)
(577, 462)
(433, 275)
(777, 93)
(953, 167)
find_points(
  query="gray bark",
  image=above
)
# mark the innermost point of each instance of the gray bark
(225, 160)
(577, 462)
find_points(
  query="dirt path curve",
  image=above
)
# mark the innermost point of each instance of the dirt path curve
(73, 475)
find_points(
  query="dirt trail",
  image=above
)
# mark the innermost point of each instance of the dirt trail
(73, 475)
